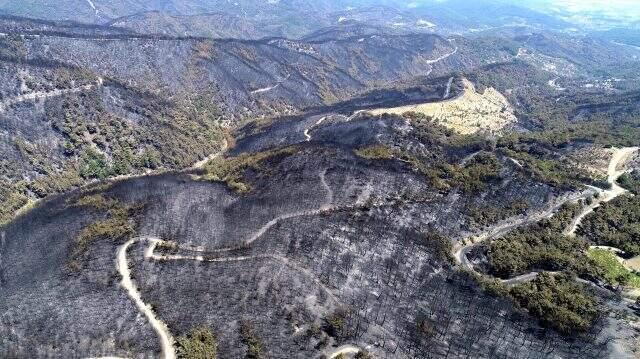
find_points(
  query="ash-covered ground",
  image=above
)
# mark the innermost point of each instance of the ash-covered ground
(327, 249)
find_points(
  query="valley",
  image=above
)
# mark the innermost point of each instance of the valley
(326, 179)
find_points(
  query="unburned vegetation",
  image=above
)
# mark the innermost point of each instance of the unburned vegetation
(542, 246)
(231, 170)
(118, 223)
(614, 272)
(200, 343)
(615, 224)
(555, 299)
(248, 336)
(558, 302)
(472, 177)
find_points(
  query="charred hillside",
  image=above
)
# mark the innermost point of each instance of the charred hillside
(340, 247)
(315, 179)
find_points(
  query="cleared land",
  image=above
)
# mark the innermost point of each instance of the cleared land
(615, 271)
(468, 113)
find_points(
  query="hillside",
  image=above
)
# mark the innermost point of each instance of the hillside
(316, 179)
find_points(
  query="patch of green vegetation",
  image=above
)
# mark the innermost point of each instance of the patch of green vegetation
(376, 152)
(614, 272)
(97, 143)
(55, 182)
(231, 170)
(434, 135)
(117, 228)
(335, 324)
(489, 214)
(541, 246)
(200, 343)
(534, 249)
(543, 168)
(477, 173)
(363, 354)
(602, 121)
(255, 348)
(118, 225)
(12, 201)
(94, 165)
(616, 224)
(473, 177)
(555, 299)
(441, 244)
(64, 77)
(631, 181)
(97, 201)
(492, 285)
(558, 302)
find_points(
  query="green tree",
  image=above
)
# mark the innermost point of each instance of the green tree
(201, 343)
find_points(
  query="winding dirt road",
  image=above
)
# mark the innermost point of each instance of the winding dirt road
(618, 158)
(343, 350)
(326, 206)
(269, 88)
(204, 161)
(620, 155)
(161, 329)
(441, 58)
(307, 136)
(460, 250)
(6, 103)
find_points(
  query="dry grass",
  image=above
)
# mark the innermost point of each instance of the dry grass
(467, 114)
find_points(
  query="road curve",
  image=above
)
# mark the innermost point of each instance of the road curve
(443, 57)
(620, 155)
(161, 329)
(460, 250)
(344, 350)
(204, 161)
(618, 158)
(206, 257)
(307, 136)
(326, 206)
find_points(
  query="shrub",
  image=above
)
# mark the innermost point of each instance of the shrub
(376, 152)
(615, 224)
(441, 244)
(118, 225)
(248, 336)
(482, 169)
(94, 165)
(96, 201)
(558, 302)
(335, 323)
(231, 170)
(201, 343)
(631, 181)
(363, 354)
